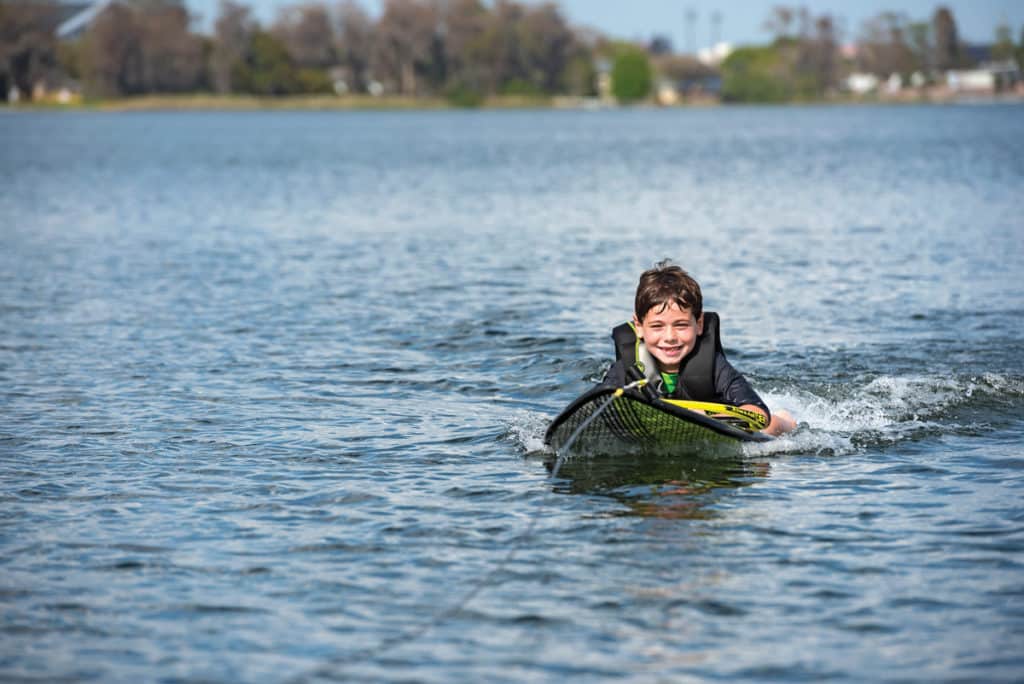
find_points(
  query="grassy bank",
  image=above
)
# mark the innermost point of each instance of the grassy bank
(209, 102)
(202, 101)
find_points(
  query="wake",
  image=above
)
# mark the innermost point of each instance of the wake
(864, 413)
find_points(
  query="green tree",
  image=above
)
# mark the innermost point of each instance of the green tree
(307, 33)
(69, 57)
(802, 62)
(920, 42)
(580, 74)
(465, 52)
(546, 46)
(631, 75)
(266, 69)
(755, 74)
(1003, 48)
(1020, 49)
(502, 50)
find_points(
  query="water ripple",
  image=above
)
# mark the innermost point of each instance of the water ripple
(270, 403)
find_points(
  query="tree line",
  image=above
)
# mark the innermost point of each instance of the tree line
(806, 61)
(461, 49)
(415, 48)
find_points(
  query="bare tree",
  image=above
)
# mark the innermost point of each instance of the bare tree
(404, 38)
(1020, 49)
(355, 35)
(580, 72)
(807, 48)
(546, 44)
(822, 51)
(502, 46)
(804, 24)
(947, 43)
(172, 55)
(27, 44)
(233, 31)
(465, 22)
(780, 21)
(308, 35)
(114, 58)
(884, 49)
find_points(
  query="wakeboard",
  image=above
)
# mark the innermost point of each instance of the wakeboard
(635, 420)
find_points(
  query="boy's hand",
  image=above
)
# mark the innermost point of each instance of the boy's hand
(782, 421)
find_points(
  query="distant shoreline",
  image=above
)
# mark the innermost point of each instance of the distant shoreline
(206, 102)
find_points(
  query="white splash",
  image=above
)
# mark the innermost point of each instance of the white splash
(841, 418)
(886, 408)
(526, 429)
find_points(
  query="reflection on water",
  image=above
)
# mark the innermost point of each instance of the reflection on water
(660, 484)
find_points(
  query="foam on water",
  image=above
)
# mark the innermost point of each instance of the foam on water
(525, 429)
(888, 409)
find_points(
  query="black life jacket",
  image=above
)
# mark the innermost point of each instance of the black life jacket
(696, 371)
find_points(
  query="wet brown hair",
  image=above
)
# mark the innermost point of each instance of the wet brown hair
(665, 284)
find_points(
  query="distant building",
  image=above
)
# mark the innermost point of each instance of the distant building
(861, 83)
(989, 78)
(971, 81)
(709, 86)
(665, 92)
(716, 54)
(49, 82)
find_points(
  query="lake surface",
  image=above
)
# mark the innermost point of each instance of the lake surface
(273, 388)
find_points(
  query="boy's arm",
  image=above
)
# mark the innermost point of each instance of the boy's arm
(733, 388)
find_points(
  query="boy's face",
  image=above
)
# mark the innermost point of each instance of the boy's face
(669, 334)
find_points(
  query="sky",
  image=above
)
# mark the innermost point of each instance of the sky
(741, 20)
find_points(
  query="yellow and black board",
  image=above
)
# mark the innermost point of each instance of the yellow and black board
(633, 420)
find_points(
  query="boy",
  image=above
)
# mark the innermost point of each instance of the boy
(675, 345)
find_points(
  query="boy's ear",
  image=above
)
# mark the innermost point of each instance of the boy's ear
(700, 324)
(636, 326)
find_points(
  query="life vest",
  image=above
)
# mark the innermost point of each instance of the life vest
(696, 371)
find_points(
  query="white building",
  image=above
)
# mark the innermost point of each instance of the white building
(716, 54)
(862, 83)
(971, 80)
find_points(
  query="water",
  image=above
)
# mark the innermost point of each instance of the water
(273, 388)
